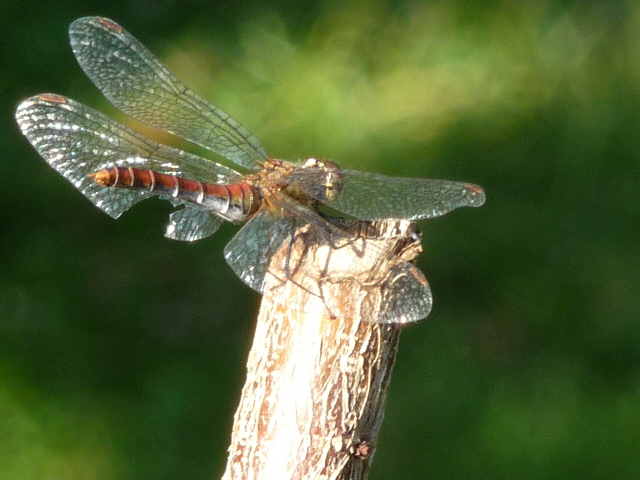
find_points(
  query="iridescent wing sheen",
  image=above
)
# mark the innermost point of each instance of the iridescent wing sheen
(369, 196)
(135, 81)
(77, 140)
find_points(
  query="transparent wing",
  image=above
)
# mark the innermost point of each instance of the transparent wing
(135, 82)
(77, 140)
(369, 196)
(191, 223)
(250, 251)
(405, 295)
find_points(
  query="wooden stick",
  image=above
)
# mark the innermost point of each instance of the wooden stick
(316, 387)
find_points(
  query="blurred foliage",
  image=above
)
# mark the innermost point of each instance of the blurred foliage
(122, 353)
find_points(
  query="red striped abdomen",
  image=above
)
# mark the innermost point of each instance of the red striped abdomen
(234, 202)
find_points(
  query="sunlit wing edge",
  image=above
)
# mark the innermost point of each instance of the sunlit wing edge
(77, 140)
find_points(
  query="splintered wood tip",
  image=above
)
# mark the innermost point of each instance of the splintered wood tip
(101, 178)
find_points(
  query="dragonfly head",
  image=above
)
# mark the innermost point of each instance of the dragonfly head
(328, 179)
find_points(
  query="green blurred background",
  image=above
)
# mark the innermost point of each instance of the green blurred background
(122, 353)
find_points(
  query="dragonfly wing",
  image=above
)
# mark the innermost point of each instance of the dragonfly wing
(369, 196)
(77, 140)
(135, 81)
(191, 223)
(351, 263)
(406, 296)
(70, 140)
(250, 251)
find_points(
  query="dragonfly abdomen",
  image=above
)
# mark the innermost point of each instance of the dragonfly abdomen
(234, 202)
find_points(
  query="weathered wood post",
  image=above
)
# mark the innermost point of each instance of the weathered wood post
(316, 386)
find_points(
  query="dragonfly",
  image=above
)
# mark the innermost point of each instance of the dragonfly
(115, 167)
